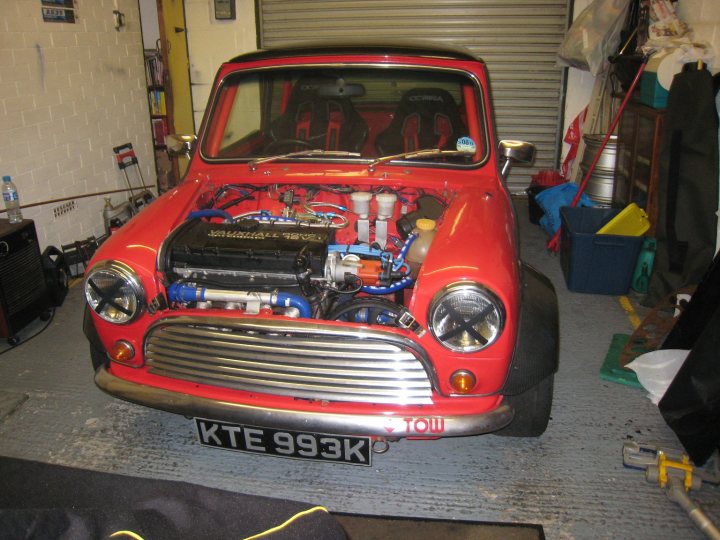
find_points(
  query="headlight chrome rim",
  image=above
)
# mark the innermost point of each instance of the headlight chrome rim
(120, 271)
(464, 288)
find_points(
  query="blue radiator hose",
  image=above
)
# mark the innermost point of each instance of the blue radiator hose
(404, 282)
(178, 292)
(210, 213)
(400, 259)
(292, 300)
(397, 264)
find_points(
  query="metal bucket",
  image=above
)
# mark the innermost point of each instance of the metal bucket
(601, 183)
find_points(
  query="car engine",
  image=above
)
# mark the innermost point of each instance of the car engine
(329, 252)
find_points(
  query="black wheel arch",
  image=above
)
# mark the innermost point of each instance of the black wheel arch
(537, 346)
(98, 354)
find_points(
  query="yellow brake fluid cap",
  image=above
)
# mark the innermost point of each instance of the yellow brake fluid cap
(425, 224)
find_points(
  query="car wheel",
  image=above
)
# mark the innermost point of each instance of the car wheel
(532, 410)
(98, 357)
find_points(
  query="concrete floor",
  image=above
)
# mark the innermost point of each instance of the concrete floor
(571, 480)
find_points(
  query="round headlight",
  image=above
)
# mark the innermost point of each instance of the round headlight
(466, 317)
(114, 292)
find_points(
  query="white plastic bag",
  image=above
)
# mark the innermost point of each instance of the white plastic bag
(594, 36)
(657, 369)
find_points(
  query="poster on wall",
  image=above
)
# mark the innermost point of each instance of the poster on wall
(58, 11)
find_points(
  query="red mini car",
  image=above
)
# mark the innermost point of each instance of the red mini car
(339, 267)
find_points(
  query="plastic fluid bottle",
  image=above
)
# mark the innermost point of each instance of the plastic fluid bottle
(425, 230)
(12, 201)
(643, 267)
(107, 214)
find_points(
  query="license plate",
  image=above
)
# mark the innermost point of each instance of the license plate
(285, 443)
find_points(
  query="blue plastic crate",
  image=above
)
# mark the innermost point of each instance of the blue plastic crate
(595, 263)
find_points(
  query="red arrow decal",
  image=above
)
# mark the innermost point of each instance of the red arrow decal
(389, 429)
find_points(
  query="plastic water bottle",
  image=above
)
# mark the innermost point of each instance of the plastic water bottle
(107, 213)
(12, 201)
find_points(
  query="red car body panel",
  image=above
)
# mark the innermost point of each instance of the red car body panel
(476, 241)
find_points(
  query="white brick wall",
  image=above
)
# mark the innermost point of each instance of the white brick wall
(68, 94)
(212, 42)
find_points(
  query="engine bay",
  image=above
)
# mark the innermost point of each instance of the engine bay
(349, 253)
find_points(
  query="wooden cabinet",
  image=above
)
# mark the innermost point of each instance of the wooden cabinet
(637, 162)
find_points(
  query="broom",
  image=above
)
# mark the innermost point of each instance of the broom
(554, 243)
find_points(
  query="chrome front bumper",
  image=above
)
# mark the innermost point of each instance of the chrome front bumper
(319, 422)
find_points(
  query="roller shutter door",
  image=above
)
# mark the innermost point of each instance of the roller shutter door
(518, 39)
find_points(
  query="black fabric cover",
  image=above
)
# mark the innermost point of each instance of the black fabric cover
(691, 404)
(321, 111)
(688, 185)
(427, 107)
(692, 322)
(39, 500)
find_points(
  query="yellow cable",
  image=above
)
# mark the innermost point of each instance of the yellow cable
(627, 306)
(131, 534)
(288, 522)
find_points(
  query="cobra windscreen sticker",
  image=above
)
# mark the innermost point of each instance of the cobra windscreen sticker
(465, 144)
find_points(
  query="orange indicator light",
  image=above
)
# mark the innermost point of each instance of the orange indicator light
(462, 381)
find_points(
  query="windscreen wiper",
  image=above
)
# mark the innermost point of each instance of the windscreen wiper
(418, 154)
(303, 153)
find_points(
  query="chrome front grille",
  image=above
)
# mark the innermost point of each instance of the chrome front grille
(289, 358)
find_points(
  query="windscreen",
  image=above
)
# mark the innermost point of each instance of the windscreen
(367, 112)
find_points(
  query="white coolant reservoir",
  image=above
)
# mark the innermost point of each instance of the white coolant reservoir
(361, 203)
(385, 210)
(361, 207)
(385, 205)
(425, 230)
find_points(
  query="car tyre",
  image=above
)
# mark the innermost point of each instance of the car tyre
(532, 410)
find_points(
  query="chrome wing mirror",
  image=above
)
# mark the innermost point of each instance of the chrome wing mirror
(180, 145)
(515, 152)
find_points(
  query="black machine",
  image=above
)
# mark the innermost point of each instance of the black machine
(23, 288)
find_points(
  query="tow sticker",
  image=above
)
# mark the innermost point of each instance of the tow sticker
(466, 144)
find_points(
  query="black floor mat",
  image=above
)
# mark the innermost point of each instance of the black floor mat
(39, 500)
